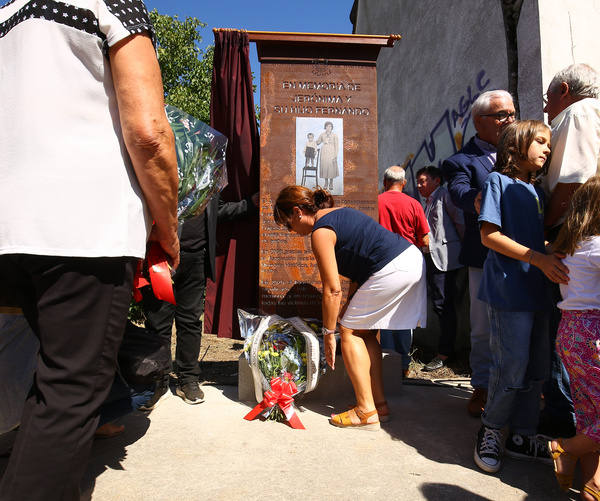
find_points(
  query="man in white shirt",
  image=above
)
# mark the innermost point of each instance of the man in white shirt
(573, 111)
(87, 163)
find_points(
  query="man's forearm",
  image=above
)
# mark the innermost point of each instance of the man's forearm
(156, 169)
(147, 133)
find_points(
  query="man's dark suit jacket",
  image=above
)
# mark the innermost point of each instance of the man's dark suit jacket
(220, 211)
(465, 173)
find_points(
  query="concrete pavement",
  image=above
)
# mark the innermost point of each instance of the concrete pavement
(208, 451)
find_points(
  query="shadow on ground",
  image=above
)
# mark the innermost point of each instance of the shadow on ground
(106, 454)
(109, 453)
(432, 419)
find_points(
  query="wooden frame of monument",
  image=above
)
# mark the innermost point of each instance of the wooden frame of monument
(319, 92)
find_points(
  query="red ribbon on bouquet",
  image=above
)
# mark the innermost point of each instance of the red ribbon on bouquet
(282, 394)
(160, 275)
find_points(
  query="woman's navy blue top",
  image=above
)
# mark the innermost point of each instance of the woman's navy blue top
(363, 246)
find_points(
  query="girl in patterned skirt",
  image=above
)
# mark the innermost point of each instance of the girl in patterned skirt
(578, 338)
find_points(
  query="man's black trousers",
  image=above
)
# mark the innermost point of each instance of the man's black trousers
(189, 283)
(77, 307)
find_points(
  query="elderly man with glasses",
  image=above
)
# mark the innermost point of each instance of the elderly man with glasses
(465, 172)
(573, 109)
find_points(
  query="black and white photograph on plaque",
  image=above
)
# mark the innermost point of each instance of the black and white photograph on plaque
(319, 153)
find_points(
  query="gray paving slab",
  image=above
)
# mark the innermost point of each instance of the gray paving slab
(208, 451)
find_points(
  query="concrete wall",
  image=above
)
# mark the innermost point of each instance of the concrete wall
(449, 53)
(569, 34)
(530, 89)
(553, 34)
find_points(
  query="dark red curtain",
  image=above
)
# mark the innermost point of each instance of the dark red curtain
(232, 113)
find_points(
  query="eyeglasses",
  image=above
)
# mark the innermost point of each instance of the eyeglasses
(501, 116)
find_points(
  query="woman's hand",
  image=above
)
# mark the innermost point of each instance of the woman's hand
(329, 344)
(552, 267)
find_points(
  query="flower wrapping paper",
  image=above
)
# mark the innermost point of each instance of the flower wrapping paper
(286, 348)
(201, 163)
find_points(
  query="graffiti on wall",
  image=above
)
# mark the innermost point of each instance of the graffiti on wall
(447, 135)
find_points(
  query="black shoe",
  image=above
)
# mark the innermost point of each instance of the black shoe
(554, 428)
(534, 447)
(161, 391)
(190, 393)
(435, 364)
(488, 450)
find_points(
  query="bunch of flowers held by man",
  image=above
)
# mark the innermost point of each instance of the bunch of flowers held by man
(202, 173)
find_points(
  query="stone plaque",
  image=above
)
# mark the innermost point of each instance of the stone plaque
(318, 127)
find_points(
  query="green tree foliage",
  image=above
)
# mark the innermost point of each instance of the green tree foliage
(186, 69)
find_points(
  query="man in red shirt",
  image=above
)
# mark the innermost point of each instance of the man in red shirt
(399, 212)
(404, 215)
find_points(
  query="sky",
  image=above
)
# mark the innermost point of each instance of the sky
(314, 16)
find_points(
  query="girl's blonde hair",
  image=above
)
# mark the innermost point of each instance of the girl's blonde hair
(582, 220)
(515, 140)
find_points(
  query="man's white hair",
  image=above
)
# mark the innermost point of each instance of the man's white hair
(395, 174)
(582, 79)
(482, 103)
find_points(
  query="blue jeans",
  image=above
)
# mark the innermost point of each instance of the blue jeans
(558, 414)
(398, 340)
(519, 349)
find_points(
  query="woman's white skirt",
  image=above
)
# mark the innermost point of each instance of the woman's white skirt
(395, 297)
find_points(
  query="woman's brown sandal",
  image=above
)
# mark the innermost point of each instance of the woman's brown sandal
(565, 480)
(383, 411)
(355, 418)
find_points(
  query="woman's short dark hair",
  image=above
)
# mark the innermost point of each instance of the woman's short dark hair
(302, 197)
(328, 123)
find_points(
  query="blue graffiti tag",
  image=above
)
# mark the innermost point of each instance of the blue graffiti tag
(448, 132)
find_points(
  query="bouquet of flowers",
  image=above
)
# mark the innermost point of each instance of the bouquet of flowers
(286, 360)
(200, 162)
(202, 173)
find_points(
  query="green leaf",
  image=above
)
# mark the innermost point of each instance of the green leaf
(186, 69)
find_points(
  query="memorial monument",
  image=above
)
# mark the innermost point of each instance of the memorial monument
(318, 127)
